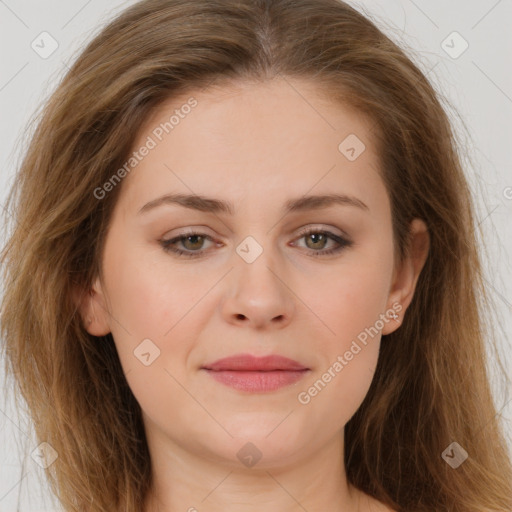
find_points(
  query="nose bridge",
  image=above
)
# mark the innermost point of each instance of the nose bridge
(256, 265)
(258, 292)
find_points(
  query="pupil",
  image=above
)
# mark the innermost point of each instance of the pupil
(317, 236)
(194, 239)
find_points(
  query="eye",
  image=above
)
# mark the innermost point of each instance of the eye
(316, 241)
(193, 243)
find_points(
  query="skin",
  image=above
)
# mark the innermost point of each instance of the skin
(256, 146)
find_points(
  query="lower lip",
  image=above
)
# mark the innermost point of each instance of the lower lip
(257, 381)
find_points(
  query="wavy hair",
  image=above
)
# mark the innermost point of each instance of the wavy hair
(431, 385)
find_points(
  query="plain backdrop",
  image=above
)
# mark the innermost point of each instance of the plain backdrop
(463, 46)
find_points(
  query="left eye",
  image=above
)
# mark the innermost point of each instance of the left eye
(193, 243)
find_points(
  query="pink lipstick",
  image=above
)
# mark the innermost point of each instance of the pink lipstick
(256, 374)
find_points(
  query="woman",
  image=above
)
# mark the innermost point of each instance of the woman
(244, 273)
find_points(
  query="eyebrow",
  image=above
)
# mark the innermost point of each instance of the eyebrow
(212, 205)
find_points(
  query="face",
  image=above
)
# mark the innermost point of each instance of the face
(263, 269)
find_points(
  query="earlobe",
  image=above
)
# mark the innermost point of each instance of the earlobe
(406, 276)
(394, 316)
(92, 307)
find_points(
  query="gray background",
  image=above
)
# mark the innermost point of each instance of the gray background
(477, 90)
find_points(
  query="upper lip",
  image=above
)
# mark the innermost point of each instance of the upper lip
(247, 362)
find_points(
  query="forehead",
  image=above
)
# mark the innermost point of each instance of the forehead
(267, 104)
(253, 138)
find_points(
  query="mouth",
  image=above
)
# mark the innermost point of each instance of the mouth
(256, 374)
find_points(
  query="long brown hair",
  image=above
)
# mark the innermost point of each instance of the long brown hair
(431, 386)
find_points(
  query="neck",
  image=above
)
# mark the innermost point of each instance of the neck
(192, 482)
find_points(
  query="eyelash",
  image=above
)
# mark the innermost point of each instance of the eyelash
(343, 243)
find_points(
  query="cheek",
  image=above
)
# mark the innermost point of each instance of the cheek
(149, 294)
(351, 298)
(351, 306)
(344, 374)
(152, 309)
(154, 333)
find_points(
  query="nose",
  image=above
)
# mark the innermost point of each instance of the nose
(257, 295)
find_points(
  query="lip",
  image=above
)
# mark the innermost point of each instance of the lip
(249, 363)
(245, 372)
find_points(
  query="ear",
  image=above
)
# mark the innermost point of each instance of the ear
(92, 306)
(406, 274)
